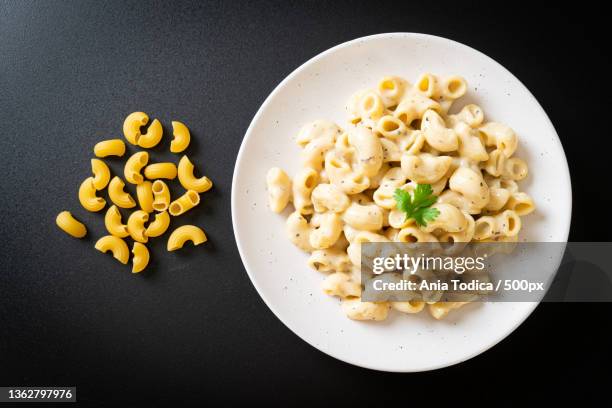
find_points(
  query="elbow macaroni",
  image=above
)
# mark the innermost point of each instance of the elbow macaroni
(144, 193)
(160, 171)
(141, 257)
(131, 130)
(183, 234)
(133, 166)
(116, 245)
(118, 196)
(132, 125)
(112, 221)
(279, 189)
(181, 137)
(188, 180)
(135, 225)
(70, 225)
(161, 196)
(88, 198)
(398, 136)
(101, 174)
(113, 147)
(159, 225)
(184, 203)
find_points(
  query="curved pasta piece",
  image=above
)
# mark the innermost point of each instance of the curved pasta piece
(113, 147)
(118, 196)
(116, 245)
(153, 136)
(88, 198)
(303, 183)
(508, 223)
(279, 189)
(341, 285)
(327, 228)
(425, 168)
(515, 169)
(140, 260)
(391, 127)
(182, 137)
(355, 309)
(427, 84)
(133, 166)
(453, 87)
(369, 153)
(328, 197)
(436, 134)
(298, 231)
(183, 234)
(144, 193)
(484, 228)
(101, 174)
(521, 203)
(70, 225)
(132, 125)
(470, 145)
(449, 219)
(471, 185)
(135, 225)
(393, 179)
(370, 108)
(342, 176)
(391, 90)
(188, 180)
(463, 236)
(500, 136)
(471, 114)
(496, 163)
(313, 154)
(161, 196)
(315, 130)
(328, 260)
(412, 107)
(364, 217)
(160, 171)
(159, 225)
(112, 221)
(184, 203)
(498, 197)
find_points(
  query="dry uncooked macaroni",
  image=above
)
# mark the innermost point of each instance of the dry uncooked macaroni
(114, 147)
(399, 135)
(160, 171)
(181, 139)
(70, 225)
(183, 234)
(153, 196)
(188, 180)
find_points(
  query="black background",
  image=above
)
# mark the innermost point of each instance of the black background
(193, 328)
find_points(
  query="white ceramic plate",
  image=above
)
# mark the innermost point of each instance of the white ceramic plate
(319, 89)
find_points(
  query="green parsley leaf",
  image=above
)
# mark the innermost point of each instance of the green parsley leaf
(424, 215)
(417, 206)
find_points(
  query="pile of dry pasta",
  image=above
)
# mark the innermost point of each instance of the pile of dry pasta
(152, 193)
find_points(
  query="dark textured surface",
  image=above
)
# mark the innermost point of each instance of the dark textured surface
(193, 327)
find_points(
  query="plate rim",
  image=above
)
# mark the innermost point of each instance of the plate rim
(259, 113)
